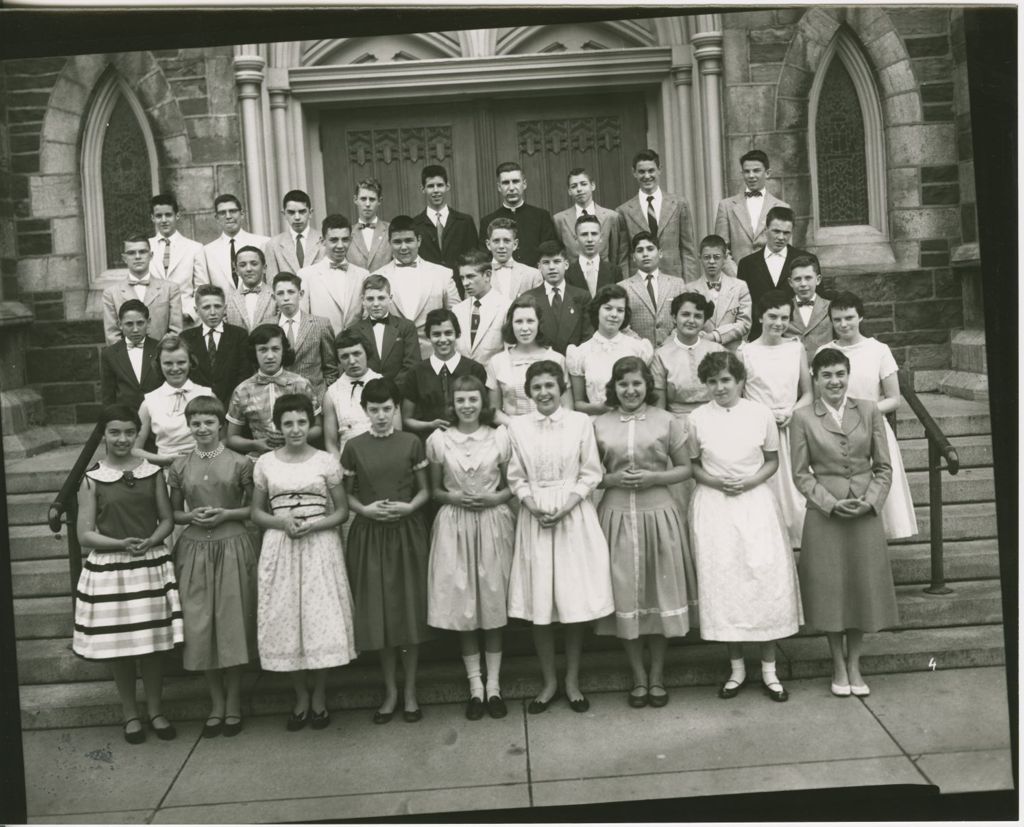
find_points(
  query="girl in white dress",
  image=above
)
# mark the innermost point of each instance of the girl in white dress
(745, 569)
(873, 376)
(506, 371)
(778, 377)
(590, 364)
(471, 540)
(560, 569)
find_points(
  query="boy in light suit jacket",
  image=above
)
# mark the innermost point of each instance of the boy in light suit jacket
(174, 256)
(740, 219)
(161, 297)
(651, 292)
(581, 190)
(252, 304)
(216, 264)
(810, 323)
(730, 296)
(334, 285)
(311, 336)
(509, 277)
(482, 314)
(369, 249)
(298, 246)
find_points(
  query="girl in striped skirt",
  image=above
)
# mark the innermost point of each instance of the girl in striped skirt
(126, 604)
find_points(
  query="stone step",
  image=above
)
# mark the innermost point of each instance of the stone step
(972, 451)
(962, 560)
(41, 578)
(46, 472)
(969, 351)
(965, 385)
(28, 509)
(357, 686)
(956, 417)
(37, 542)
(970, 485)
(972, 603)
(31, 443)
(40, 618)
(960, 521)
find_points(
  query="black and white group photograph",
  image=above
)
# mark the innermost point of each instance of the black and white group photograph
(495, 414)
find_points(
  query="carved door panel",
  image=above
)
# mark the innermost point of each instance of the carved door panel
(393, 145)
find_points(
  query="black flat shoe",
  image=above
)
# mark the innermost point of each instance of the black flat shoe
(779, 695)
(475, 709)
(411, 716)
(137, 737)
(727, 692)
(496, 707)
(579, 705)
(537, 706)
(167, 733)
(232, 726)
(657, 700)
(383, 717)
(297, 721)
(638, 701)
(213, 727)
(320, 720)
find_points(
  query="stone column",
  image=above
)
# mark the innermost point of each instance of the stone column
(707, 49)
(682, 77)
(280, 93)
(249, 78)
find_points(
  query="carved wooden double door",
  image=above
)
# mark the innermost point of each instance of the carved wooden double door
(548, 136)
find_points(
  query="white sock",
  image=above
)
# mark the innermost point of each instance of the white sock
(739, 670)
(493, 673)
(768, 673)
(476, 686)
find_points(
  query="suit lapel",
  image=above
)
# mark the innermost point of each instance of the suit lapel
(640, 291)
(124, 364)
(669, 207)
(388, 342)
(851, 417)
(739, 208)
(379, 237)
(827, 422)
(149, 352)
(305, 327)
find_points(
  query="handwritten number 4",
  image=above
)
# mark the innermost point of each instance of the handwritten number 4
(932, 664)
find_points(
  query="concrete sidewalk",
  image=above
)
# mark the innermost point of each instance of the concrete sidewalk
(944, 728)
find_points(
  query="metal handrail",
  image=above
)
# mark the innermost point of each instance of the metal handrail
(67, 503)
(939, 448)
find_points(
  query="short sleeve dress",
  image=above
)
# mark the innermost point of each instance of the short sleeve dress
(871, 361)
(387, 562)
(216, 568)
(252, 401)
(745, 569)
(304, 618)
(470, 551)
(675, 370)
(652, 568)
(166, 409)
(126, 605)
(593, 360)
(506, 371)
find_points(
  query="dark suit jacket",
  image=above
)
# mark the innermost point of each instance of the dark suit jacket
(459, 237)
(117, 379)
(423, 388)
(607, 273)
(754, 272)
(572, 326)
(533, 226)
(232, 365)
(401, 347)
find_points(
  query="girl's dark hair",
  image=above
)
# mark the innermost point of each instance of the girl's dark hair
(715, 363)
(846, 301)
(379, 391)
(471, 383)
(210, 405)
(698, 300)
(120, 413)
(605, 295)
(774, 298)
(826, 358)
(544, 366)
(529, 302)
(263, 333)
(629, 364)
(440, 315)
(293, 402)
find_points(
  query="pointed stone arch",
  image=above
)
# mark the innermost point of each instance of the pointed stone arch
(529, 39)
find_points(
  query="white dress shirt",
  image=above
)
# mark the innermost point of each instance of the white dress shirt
(805, 312)
(436, 364)
(251, 300)
(591, 209)
(217, 331)
(135, 357)
(775, 262)
(836, 413)
(296, 320)
(443, 213)
(754, 205)
(138, 287)
(590, 266)
(550, 290)
(656, 274)
(642, 198)
(368, 234)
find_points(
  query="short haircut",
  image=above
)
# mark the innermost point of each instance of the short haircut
(698, 300)
(401, 224)
(130, 305)
(471, 383)
(477, 259)
(806, 260)
(608, 293)
(297, 196)
(578, 171)
(507, 166)
(527, 302)
(643, 235)
(547, 366)
(137, 238)
(779, 214)
(170, 343)
(440, 315)
(379, 391)
(119, 412)
(347, 339)
(589, 218)
(205, 405)
(630, 364)
(249, 248)
(847, 301)
(334, 221)
(646, 155)
(774, 298)
(163, 199)
(210, 290)
(715, 363)
(376, 282)
(289, 402)
(755, 155)
(503, 224)
(433, 171)
(262, 334)
(827, 357)
(286, 276)
(371, 184)
(226, 198)
(715, 242)
(550, 249)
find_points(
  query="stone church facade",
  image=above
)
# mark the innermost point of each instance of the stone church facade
(863, 111)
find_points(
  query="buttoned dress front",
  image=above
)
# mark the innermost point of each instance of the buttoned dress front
(593, 360)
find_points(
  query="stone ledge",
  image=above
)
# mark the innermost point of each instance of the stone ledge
(15, 314)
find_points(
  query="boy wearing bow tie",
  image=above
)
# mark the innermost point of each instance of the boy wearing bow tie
(740, 219)
(128, 369)
(161, 297)
(252, 302)
(810, 322)
(731, 297)
(391, 342)
(509, 277)
(333, 284)
(370, 249)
